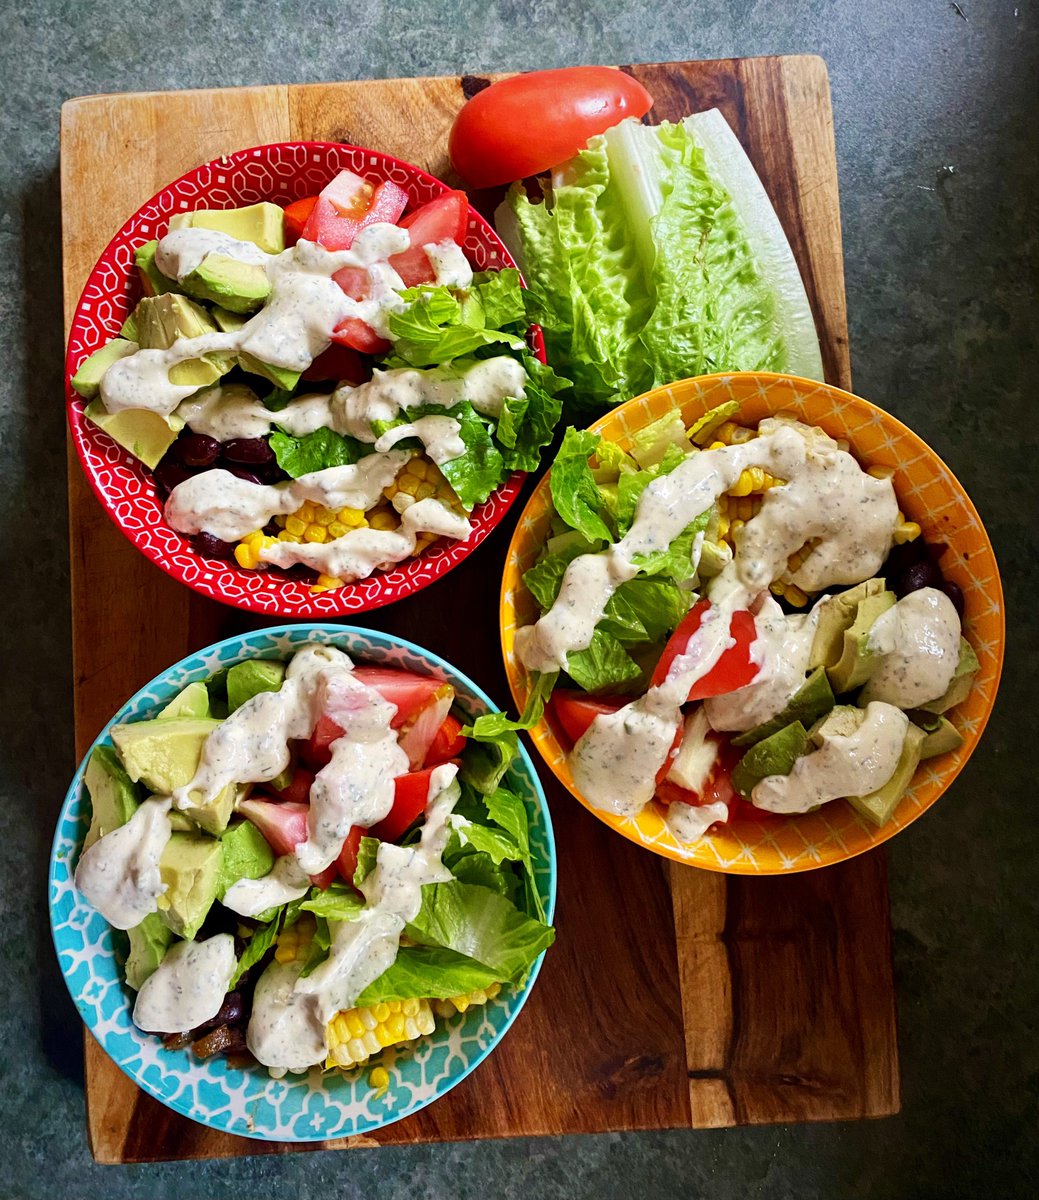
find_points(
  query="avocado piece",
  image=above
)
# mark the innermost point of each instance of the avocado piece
(238, 286)
(193, 701)
(967, 666)
(163, 320)
(262, 224)
(940, 738)
(87, 380)
(246, 855)
(147, 435)
(812, 700)
(836, 615)
(164, 754)
(129, 327)
(248, 679)
(879, 805)
(149, 942)
(190, 869)
(227, 321)
(281, 377)
(858, 660)
(113, 797)
(180, 822)
(774, 755)
(152, 279)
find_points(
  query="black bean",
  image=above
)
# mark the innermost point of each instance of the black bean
(212, 547)
(242, 473)
(955, 594)
(933, 550)
(250, 451)
(920, 575)
(167, 475)
(196, 450)
(230, 1011)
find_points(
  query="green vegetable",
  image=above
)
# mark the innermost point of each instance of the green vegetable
(427, 971)
(645, 610)
(631, 484)
(315, 451)
(575, 494)
(603, 666)
(436, 327)
(367, 853)
(477, 472)
(543, 580)
(702, 430)
(320, 945)
(493, 725)
(336, 902)
(527, 424)
(257, 946)
(480, 924)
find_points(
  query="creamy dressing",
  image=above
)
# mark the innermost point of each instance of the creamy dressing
(119, 874)
(182, 251)
(449, 264)
(227, 411)
(284, 1033)
(439, 435)
(187, 987)
(285, 881)
(781, 649)
(845, 764)
(689, 822)
(918, 641)
(227, 507)
(358, 553)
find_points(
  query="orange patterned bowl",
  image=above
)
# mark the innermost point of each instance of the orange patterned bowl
(928, 493)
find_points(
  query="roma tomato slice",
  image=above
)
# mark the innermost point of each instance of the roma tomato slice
(532, 123)
(735, 668)
(346, 863)
(348, 204)
(575, 711)
(409, 802)
(359, 335)
(296, 216)
(443, 219)
(408, 691)
(448, 743)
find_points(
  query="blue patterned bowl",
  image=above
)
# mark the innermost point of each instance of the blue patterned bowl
(299, 1108)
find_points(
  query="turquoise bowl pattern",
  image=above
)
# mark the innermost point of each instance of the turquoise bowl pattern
(248, 1102)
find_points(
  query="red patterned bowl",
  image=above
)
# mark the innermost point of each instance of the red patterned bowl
(282, 172)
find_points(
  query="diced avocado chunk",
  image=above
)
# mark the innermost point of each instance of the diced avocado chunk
(247, 679)
(650, 443)
(281, 377)
(113, 797)
(263, 224)
(152, 279)
(164, 755)
(193, 701)
(190, 869)
(962, 681)
(836, 616)
(149, 942)
(227, 321)
(773, 755)
(812, 700)
(858, 659)
(129, 328)
(87, 380)
(147, 435)
(235, 285)
(879, 805)
(246, 855)
(163, 320)
(181, 822)
(941, 738)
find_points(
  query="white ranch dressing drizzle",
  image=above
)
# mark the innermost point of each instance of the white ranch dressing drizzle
(227, 411)
(227, 507)
(827, 496)
(119, 874)
(438, 434)
(781, 649)
(285, 881)
(689, 822)
(449, 263)
(187, 987)
(181, 251)
(918, 641)
(358, 553)
(852, 764)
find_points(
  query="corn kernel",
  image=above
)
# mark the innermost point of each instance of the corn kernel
(906, 531)
(793, 595)
(379, 1078)
(316, 533)
(327, 583)
(324, 516)
(383, 520)
(296, 525)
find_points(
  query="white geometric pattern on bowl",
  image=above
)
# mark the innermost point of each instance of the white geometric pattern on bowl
(316, 1106)
(281, 171)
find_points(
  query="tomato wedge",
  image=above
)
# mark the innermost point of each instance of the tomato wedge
(296, 216)
(355, 281)
(575, 711)
(448, 743)
(404, 689)
(409, 802)
(346, 863)
(443, 219)
(735, 668)
(418, 731)
(339, 363)
(348, 204)
(317, 750)
(532, 123)
(298, 790)
(359, 335)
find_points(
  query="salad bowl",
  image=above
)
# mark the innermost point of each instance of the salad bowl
(245, 1100)
(927, 492)
(280, 173)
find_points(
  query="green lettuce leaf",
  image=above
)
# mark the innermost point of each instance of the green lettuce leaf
(481, 925)
(257, 946)
(575, 494)
(603, 666)
(544, 579)
(527, 423)
(336, 902)
(493, 725)
(436, 327)
(477, 472)
(315, 451)
(702, 430)
(427, 971)
(677, 559)
(367, 852)
(645, 610)
(631, 484)
(501, 298)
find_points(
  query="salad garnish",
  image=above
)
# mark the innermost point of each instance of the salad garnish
(295, 847)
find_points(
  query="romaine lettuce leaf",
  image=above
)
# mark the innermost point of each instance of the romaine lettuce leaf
(527, 424)
(501, 297)
(604, 665)
(492, 725)
(631, 485)
(677, 559)
(315, 451)
(367, 852)
(436, 327)
(477, 472)
(575, 494)
(257, 946)
(427, 971)
(645, 610)
(335, 903)
(488, 755)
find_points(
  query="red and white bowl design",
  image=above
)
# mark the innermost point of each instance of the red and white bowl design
(281, 172)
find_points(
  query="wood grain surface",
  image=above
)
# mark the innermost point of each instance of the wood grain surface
(673, 997)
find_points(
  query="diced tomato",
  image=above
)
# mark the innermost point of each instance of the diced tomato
(317, 750)
(296, 216)
(408, 691)
(339, 363)
(443, 219)
(355, 281)
(735, 668)
(419, 730)
(575, 711)
(283, 824)
(298, 790)
(359, 335)
(325, 877)
(530, 123)
(347, 205)
(448, 743)
(409, 801)
(346, 864)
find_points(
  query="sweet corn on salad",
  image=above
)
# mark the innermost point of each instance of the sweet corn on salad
(739, 622)
(314, 861)
(329, 395)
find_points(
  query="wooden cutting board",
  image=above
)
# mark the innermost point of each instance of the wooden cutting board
(673, 997)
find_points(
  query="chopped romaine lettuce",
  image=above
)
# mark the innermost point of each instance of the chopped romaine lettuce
(575, 494)
(427, 972)
(315, 451)
(604, 665)
(477, 472)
